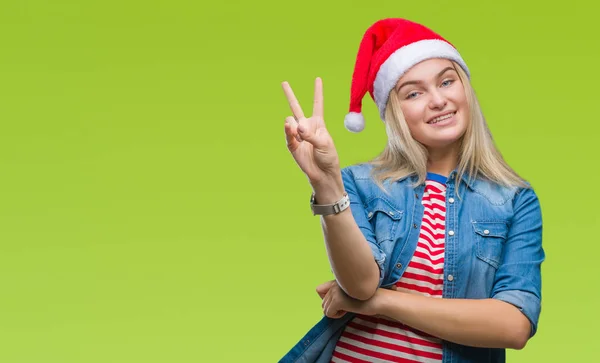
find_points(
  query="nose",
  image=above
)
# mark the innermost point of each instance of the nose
(437, 101)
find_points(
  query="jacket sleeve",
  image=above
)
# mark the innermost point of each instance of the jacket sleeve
(360, 216)
(518, 278)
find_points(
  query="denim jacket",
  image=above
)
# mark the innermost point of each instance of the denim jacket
(493, 249)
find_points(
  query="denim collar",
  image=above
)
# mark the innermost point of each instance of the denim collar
(470, 182)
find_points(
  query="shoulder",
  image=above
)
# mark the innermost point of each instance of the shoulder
(497, 194)
(358, 179)
(363, 175)
(360, 171)
(360, 183)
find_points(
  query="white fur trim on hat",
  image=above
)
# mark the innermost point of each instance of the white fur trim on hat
(354, 122)
(403, 59)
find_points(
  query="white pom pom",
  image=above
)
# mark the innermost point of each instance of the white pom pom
(354, 122)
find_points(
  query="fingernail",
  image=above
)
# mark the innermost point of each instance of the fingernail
(301, 129)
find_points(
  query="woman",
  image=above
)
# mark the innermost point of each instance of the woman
(436, 245)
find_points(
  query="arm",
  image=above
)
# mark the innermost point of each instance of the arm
(350, 255)
(313, 150)
(487, 323)
(506, 320)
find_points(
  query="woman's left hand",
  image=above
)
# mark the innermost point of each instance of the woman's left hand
(336, 303)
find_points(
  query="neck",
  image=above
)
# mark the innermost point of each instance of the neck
(443, 160)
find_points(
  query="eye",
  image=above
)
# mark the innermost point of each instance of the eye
(447, 82)
(412, 95)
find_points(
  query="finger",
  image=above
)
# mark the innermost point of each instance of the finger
(321, 294)
(294, 104)
(309, 131)
(318, 101)
(327, 307)
(339, 314)
(325, 301)
(324, 287)
(333, 310)
(291, 132)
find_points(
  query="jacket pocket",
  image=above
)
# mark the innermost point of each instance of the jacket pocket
(384, 218)
(490, 237)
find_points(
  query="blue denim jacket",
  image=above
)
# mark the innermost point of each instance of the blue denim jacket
(493, 249)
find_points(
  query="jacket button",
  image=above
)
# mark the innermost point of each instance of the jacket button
(370, 214)
(414, 225)
(416, 195)
(398, 265)
(391, 213)
(450, 277)
(450, 233)
(451, 200)
(486, 232)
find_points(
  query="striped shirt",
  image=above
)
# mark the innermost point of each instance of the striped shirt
(378, 339)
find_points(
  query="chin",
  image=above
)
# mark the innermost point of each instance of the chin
(443, 142)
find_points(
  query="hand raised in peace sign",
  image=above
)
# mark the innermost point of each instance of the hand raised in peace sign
(309, 141)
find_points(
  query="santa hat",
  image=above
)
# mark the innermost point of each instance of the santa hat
(389, 48)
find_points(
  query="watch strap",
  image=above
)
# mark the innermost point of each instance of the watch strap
(327, 209)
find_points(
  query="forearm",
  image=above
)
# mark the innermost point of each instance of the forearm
(349, 253)
(350, 256)
(487, 323)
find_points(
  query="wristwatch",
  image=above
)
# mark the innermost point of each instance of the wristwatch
(327, 209)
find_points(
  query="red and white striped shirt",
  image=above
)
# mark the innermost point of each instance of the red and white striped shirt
(378, 339)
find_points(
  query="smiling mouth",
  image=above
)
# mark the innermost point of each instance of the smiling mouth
(441, 118)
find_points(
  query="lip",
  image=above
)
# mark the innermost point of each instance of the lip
(441, 114)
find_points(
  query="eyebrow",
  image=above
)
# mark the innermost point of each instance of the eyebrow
(417, 82)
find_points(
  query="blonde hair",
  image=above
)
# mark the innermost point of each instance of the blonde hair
(478, 155)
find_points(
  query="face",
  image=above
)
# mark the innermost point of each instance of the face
(434, 103)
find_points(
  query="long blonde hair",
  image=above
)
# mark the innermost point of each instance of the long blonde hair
(478, 156)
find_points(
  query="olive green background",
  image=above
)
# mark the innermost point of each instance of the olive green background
(150, 211)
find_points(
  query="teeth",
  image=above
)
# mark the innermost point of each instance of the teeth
(441, 118)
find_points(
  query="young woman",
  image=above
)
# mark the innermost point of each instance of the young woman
(436, 245)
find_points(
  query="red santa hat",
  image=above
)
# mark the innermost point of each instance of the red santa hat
(389, 48)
